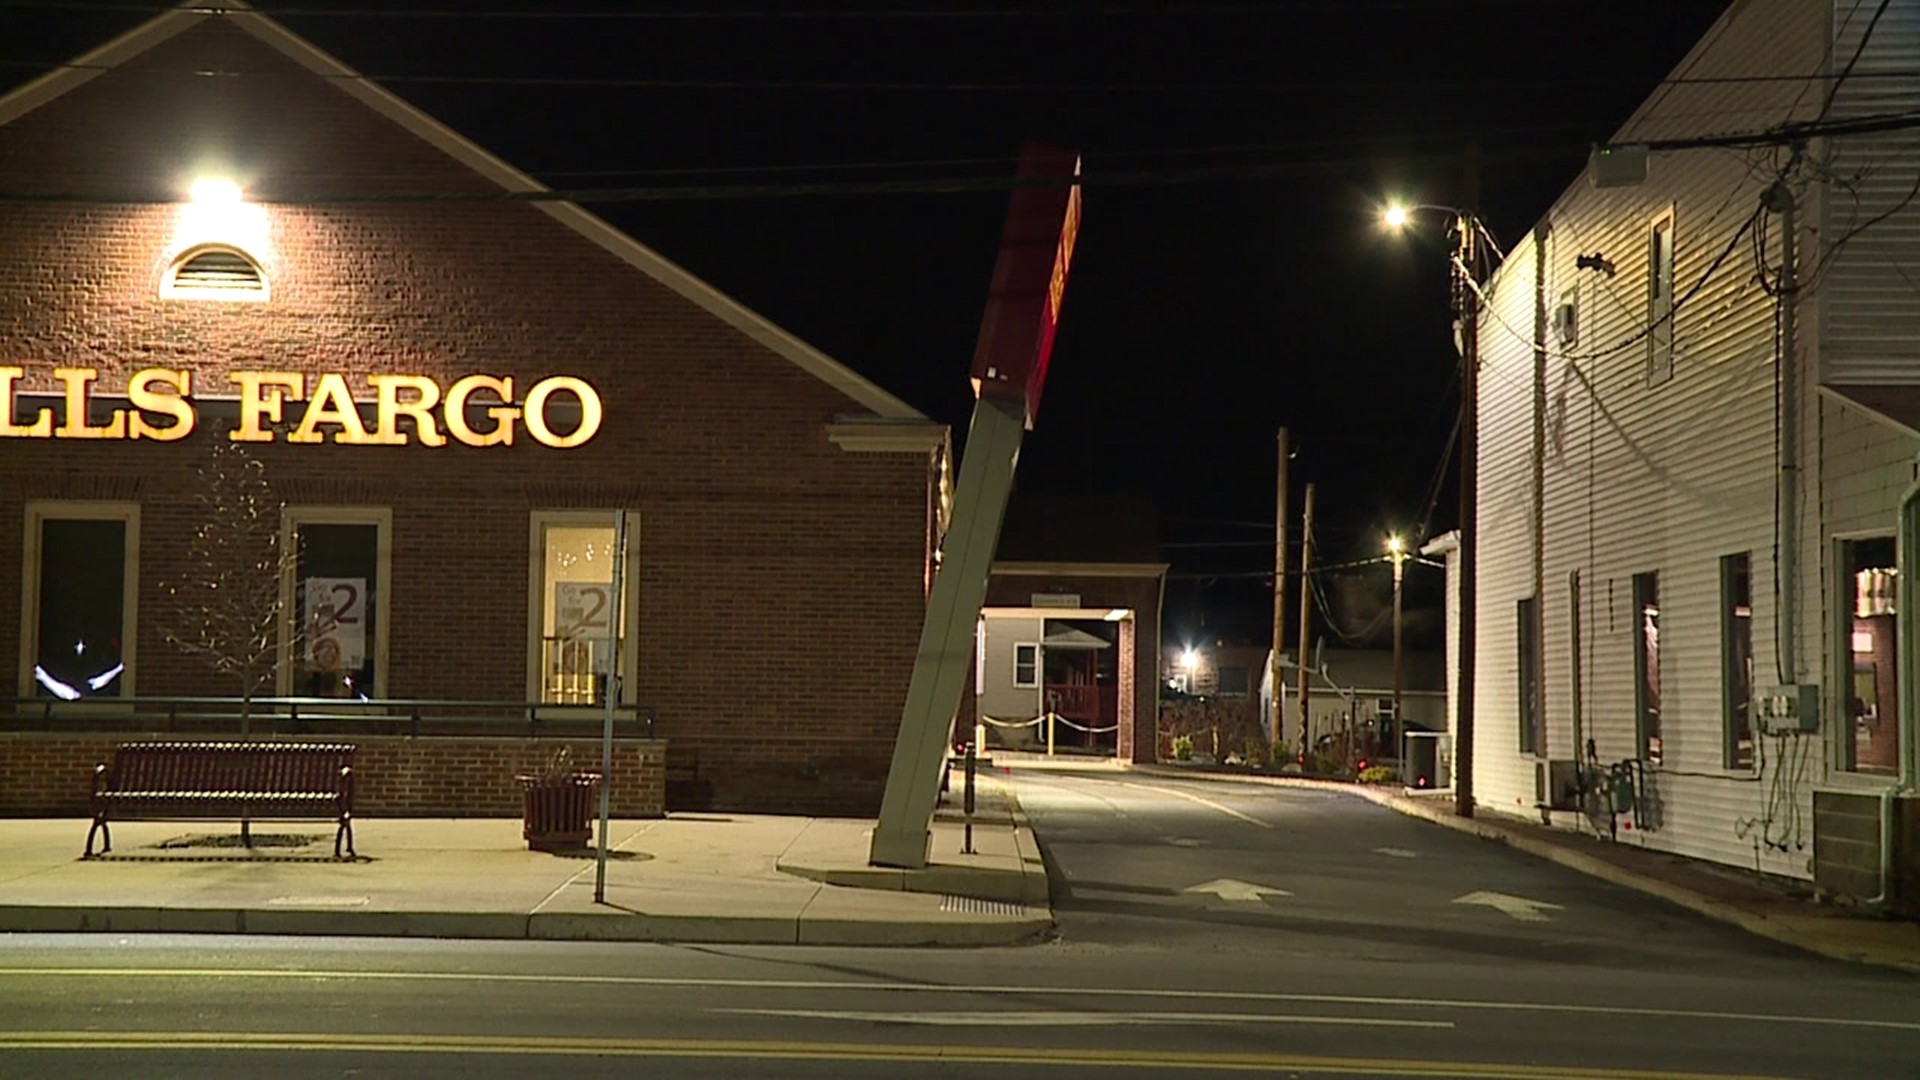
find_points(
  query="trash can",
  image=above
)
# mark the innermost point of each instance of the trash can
(1421, 766)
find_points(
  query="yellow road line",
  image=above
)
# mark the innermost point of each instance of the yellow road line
(307, 1042)
(817, 986)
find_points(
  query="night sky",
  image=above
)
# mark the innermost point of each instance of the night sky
(1229, 278)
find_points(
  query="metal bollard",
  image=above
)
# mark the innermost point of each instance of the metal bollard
(967, 846)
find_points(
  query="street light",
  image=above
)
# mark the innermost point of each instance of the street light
(1466, 315)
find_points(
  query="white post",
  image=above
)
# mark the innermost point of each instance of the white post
(612, 694)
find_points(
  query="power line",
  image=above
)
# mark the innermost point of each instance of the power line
(908, 13)
(599, 82)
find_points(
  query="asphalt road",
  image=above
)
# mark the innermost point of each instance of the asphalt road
(1366, 967)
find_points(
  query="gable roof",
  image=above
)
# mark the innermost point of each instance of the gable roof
(166, 26)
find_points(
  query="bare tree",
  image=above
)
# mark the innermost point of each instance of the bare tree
(228, 609)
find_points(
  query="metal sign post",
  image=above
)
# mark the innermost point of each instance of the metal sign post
(612, 694)
(1009, 371)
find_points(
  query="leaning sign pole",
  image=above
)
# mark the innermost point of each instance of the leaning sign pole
(1009, 371)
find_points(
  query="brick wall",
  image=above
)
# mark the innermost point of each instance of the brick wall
(51, 775)
(781, 579)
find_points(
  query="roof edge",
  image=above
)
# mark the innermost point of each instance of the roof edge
(470, 154)
(85, 68)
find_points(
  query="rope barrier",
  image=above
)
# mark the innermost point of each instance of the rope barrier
(991, 722)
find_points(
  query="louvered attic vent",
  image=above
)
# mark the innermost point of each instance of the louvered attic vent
(215, 273)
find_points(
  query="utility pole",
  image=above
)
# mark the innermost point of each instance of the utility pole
(1466, 305)
(1306, 628)
(1398, 549)
(1279, 593)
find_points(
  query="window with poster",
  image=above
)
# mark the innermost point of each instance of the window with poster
(334, 591)
(572, 607)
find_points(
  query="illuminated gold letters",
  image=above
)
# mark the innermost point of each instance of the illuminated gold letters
(256, 403)
(145, 401)
(76, 426)
(503, 415)
(387, 429)
(332, 403)
(536, 417)
(40, 428)
(163, 408)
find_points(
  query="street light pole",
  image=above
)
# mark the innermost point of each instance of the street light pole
(1466, 315)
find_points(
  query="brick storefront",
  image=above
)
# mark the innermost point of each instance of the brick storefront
(780, 502)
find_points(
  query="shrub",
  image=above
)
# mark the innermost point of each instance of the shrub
(1378, 774)
(1183, 748)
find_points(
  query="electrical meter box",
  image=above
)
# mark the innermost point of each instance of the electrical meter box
(1788, 710)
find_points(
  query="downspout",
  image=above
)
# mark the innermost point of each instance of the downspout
(1779, 199)
(1536, 707)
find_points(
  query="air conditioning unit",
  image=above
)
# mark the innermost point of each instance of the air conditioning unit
(1556, 784)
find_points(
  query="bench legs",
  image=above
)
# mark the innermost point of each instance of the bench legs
(344, 831)
(106, 836)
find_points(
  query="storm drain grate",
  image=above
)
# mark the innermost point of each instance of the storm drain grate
(967, 905)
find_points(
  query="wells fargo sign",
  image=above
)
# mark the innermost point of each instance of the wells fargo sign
(162, 407)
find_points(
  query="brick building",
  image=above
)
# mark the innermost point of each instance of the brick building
(781, 509)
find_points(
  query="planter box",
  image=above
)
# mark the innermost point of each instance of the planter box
(557, 812)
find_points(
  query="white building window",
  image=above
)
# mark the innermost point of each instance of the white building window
(1026, 665)
(572, 607)
(78, 617)
(334, 588)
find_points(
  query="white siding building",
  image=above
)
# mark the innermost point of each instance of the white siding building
(1632, 493)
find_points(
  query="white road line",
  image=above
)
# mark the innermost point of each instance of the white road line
(1006, 1019)
(1208, 803)
(324, 975)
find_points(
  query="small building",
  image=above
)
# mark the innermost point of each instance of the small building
(1352, 692)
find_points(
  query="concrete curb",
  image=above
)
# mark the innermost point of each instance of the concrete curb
(549, 926)
(1804, 933)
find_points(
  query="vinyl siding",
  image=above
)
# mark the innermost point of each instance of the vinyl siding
(1867, 272)
(1665, 477)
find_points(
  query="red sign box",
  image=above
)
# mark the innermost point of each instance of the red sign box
(1029, 279)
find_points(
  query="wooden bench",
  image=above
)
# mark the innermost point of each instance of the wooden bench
(275, 780)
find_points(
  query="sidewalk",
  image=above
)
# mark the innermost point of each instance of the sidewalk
(1761, 906)
(696, 878)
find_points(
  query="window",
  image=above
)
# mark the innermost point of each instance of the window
(1533, 719)
(77, 620)
(335, 593)
(1233, 682)
(1660, 299)
(1736, 658)
(1646, 664)
(1870, 739)
(1026, 665)
(214, 272)
(572, 607)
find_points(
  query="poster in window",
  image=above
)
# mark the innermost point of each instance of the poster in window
(582, 610)
(336, 622)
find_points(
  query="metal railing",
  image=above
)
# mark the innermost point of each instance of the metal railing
(412, 718)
